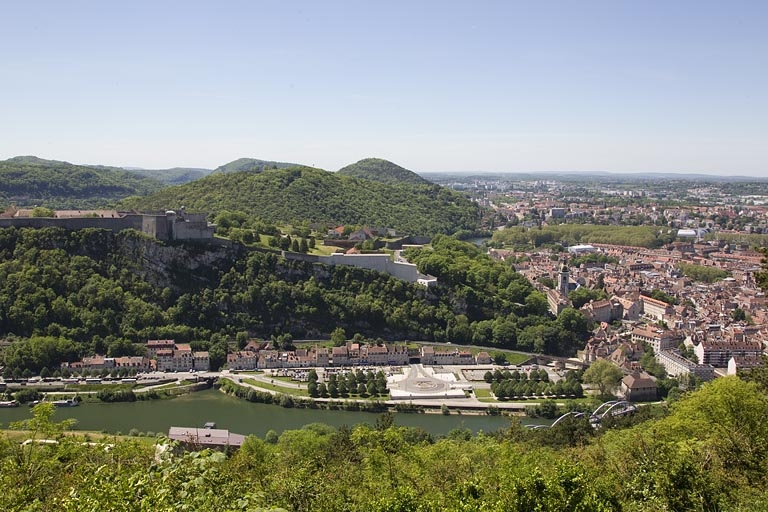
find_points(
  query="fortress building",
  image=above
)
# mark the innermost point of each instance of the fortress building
(163, 226)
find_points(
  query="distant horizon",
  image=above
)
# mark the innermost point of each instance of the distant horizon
(417, 171)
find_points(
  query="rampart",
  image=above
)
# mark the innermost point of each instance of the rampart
(378, 262)
(167, 226)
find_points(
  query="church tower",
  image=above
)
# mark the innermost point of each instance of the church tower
(562, 284)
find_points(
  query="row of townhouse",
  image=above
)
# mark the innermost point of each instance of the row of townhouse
(351, 354)
(430, 356)
(100, 362)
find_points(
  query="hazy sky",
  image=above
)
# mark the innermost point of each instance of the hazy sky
(433, 86)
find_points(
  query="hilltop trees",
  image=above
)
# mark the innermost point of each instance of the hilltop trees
(278, 196)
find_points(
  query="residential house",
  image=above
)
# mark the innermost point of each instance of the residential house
(242, 360)
(639, 387)
(154, 345)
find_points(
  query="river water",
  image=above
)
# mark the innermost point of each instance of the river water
(195, 409)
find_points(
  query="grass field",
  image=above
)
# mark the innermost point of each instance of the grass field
(277, 387)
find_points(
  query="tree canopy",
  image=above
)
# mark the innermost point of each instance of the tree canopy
(104, 291)
(708, 452)
(304, 194)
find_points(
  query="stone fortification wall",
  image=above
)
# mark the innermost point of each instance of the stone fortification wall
(396, 245)
(378, 262)
(191, 230)
(309, 258)
(114, 224)
(163, 227)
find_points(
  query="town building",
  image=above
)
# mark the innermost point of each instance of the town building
(658, 339)
(242, 360)
(639, 387)
(655, 309)
(718, 352)
(677, 366)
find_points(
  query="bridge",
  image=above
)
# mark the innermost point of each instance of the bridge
(609, 409)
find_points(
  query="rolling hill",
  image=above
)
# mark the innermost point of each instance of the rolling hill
(251, 165)
(28, 180)
(174, 175)
(305, 194)
(383, 171)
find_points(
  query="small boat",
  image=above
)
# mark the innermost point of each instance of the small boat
(66, 403)
(9, 403)
(34, 403)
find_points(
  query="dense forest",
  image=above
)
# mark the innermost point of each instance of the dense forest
(708, 452)
(303, 194)
(99, 291)
(34, 181)
(383, 171)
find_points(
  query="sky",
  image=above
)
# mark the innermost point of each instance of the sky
(621, 86)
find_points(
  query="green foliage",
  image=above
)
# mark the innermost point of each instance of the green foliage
(382, 171)
(664, 297)
(41, 211)
(649, 363)
(603, 374)
(116, 395)
(583, 295)
(251, 165)
(572, 234)
(67, 294)
(702, 273)
(499, 307)
(63, 185)
(27, 395)
(338, 337)
(282, 196)
(708, 453)
(592, 259)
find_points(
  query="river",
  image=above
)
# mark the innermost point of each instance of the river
(194, 410)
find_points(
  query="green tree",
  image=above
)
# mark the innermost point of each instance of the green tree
(42, 212)
(603, 374)
(338, 337)
(583, 295)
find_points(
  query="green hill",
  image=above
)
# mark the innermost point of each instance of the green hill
(28, 180)
(306, 194)
(251, 165)
(173, 176)
(383, 171)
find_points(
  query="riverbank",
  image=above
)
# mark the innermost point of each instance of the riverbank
(248, 389)
(241, 416)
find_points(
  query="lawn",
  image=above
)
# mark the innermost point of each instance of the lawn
(277, 387)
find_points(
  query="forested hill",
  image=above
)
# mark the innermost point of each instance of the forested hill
(305, 194)
(174, 175)
(28, 180)
(86, 291)
(383, 171)
(252, 165)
